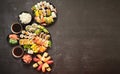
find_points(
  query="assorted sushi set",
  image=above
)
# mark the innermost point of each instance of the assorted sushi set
(44, 13)
(31, 39)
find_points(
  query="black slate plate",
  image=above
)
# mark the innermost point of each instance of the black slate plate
(55, 19)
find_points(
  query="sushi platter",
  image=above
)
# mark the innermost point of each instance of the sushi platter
(30, 39)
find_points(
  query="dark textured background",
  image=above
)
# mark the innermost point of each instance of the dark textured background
(86, 37)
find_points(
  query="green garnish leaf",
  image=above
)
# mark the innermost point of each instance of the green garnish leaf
(12, 41)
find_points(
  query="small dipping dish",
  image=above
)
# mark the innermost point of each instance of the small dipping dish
(16, 28)
(17, 51)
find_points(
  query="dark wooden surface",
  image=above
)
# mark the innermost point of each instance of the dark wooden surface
(86, 37)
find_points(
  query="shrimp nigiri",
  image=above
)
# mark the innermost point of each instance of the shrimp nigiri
(13, 36)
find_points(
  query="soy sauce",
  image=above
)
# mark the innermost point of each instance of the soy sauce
(16, 27)
(18, 51)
